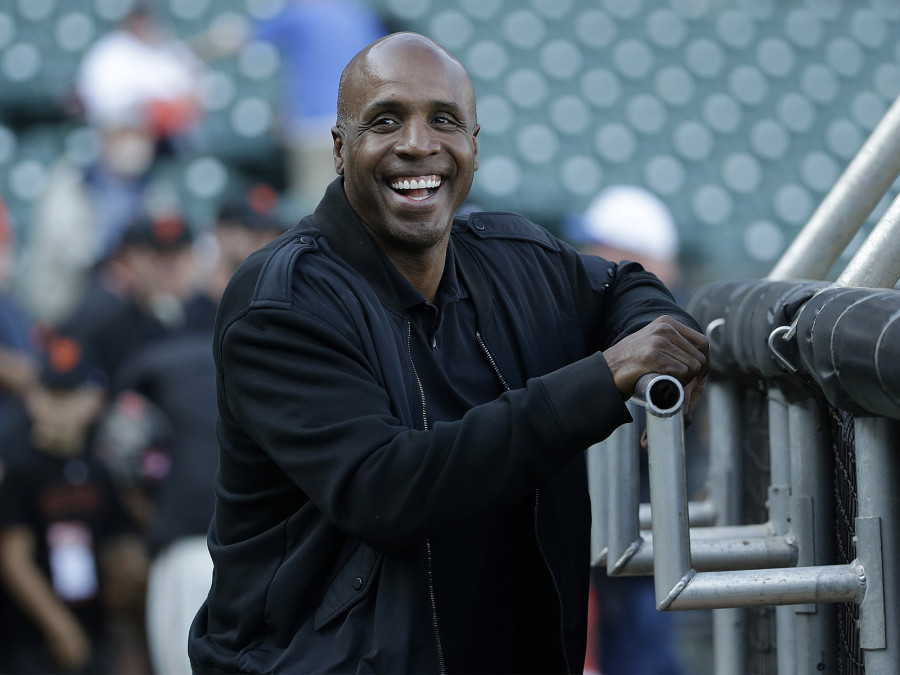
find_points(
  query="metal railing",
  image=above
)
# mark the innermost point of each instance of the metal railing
(812, 347)
(778, 563)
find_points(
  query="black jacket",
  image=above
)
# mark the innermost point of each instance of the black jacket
(329, 486)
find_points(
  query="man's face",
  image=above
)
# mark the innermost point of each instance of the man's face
(157, 273)
(407, 149)
(61, 417)
(237, 242)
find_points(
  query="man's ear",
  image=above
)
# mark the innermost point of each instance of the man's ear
(337, 150)
(475, 141)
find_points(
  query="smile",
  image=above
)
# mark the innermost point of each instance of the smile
(417, 187)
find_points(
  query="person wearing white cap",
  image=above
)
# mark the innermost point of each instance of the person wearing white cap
(628, 222)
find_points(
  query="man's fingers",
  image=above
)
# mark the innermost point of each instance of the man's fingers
(686, 346)
(692, 393)
(694, 343)
(699, 340)
(662, 346)
(680, 359)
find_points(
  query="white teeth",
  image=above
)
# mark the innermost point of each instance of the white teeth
(414, 184)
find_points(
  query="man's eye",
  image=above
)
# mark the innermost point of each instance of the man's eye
(384, 122)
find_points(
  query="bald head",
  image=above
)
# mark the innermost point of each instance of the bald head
(411, 47)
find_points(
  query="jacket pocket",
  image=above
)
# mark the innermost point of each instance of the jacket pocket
(350, 586)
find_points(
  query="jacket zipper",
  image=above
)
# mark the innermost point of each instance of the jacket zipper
(416, 373)
(493, 362)
(434, 617)
(562, 623)
(537, 499)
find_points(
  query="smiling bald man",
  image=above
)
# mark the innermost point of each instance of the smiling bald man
(405, 397)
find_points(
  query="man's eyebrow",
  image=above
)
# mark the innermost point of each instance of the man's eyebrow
(380, 105)
(450, 106)
(391, 104)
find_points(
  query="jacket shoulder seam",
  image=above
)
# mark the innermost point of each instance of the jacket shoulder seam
(274, 285)
(508, 225)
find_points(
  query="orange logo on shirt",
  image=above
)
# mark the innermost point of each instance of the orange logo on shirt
(168, 229)
(64, 354)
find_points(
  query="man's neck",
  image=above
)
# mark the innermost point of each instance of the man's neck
(423, 271)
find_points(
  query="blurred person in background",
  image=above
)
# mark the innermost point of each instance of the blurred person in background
(137, 294)
(241, 226)
(137, 89)
(136, 299)
(315, 39)
(173, 376)
(18, 366)
(628, 222)
(628, 634)
(69, 557)
(81, 217)
(139, 73)
(18, 372)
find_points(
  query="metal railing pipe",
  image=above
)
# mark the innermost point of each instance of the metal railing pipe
(812, 523)
(678, 585)
(623, 536)
(779, 510)
(737, 532)
(700, 514)
(710, 554)
(877, 262)
(779, 448)
(847, 205)
(725, 482)
(597, 473)
(877, 532)
(664, 397)
(723, 400)
(763, 588)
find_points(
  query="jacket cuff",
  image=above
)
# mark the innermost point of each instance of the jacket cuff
(586, 401)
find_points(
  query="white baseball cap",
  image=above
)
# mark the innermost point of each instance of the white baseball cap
(630, 218)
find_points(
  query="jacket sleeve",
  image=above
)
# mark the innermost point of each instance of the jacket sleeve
(314, 397)
(615, 300)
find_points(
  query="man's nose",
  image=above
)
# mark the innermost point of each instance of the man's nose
(417, 139)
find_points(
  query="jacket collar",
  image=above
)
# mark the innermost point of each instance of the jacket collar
(349, 239)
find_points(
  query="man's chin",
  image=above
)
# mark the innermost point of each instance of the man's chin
(421, 237)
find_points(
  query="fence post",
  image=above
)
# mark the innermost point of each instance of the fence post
(878, 535)
(779, 514)
(812, 520)
(725, 492)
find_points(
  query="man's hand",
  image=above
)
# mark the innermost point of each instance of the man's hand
(664, 346)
